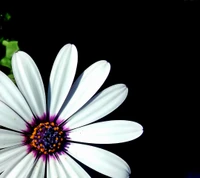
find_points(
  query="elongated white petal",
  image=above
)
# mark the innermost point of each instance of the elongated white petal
(99, 106)
(29, 81)
(13, 98)
(54, 169)
(10, 156)
(9, 119)
(9, 138)
(38, 170)
(20, 167)
(72, 169)
(100, 160)
(61, 77)
(107, 132)
(85, 87)
(24, 167)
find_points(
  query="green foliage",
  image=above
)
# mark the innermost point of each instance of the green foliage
(10, 47)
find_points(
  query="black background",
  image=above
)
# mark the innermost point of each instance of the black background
(144, 54)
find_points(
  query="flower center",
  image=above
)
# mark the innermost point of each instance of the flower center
(47, 138)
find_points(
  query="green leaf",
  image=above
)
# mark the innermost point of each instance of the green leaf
(6, 62)
(11, 48)
(11, 76)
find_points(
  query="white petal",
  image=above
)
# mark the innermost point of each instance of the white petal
(100, 160)
(54, 169)
(99, 106)
(13, 98)
(29, 81)
(85, 87)
(61, 77)
(10, 156)
(9, 138)
(9, 119)
(107, 132)
(38, 170)
(20, 167)
(72, 168)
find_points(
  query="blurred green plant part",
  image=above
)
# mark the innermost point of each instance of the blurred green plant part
(11, 76)
(4, 18)
(1, 39)
(11, 48)
(7, 17)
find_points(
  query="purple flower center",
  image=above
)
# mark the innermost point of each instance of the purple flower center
(47, 138)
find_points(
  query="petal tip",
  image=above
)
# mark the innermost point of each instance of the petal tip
(140, 129)
(104, 64)
(125, 88)
(20, 54)
(70, 47)
(108, 65)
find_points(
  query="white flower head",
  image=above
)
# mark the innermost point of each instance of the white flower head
(42, 137)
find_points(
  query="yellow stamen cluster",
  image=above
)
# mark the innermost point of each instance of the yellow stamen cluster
(47, 138)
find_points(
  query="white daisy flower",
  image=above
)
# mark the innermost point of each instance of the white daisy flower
(40, 140)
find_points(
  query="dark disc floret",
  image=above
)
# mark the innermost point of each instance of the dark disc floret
(47, 138)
